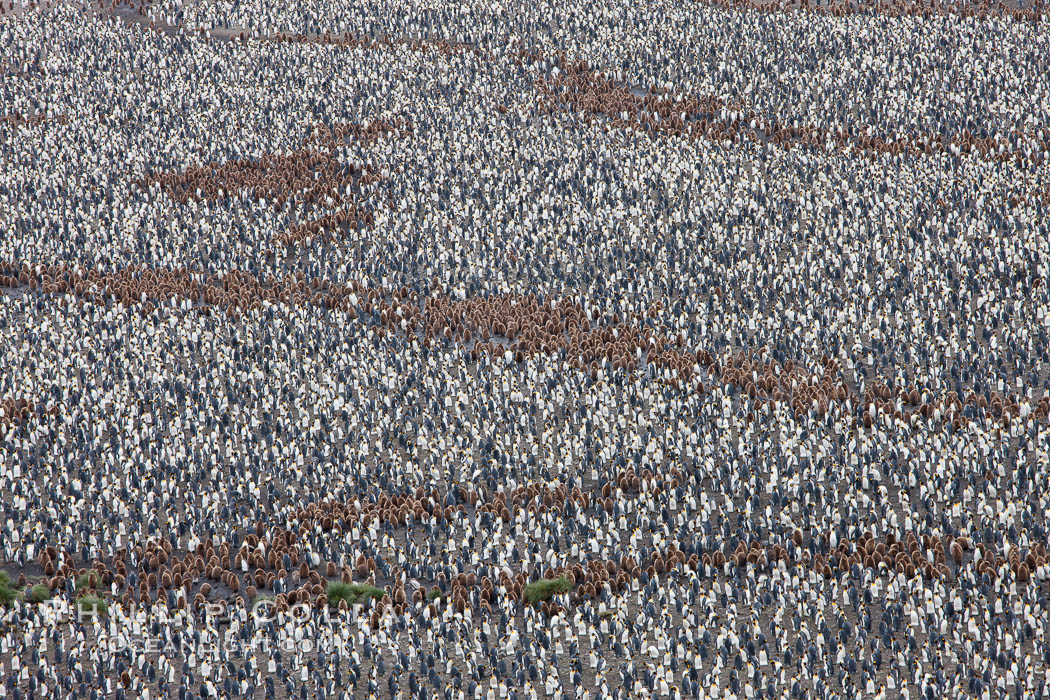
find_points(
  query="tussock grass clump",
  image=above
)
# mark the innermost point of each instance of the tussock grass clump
(9, 593)
(338, 591)
(86, 581)
(352, 593)
(546, 588)
(8, 596)
(38, 593)
(92, 603)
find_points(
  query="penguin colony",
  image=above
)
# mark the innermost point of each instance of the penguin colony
(731, 315)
